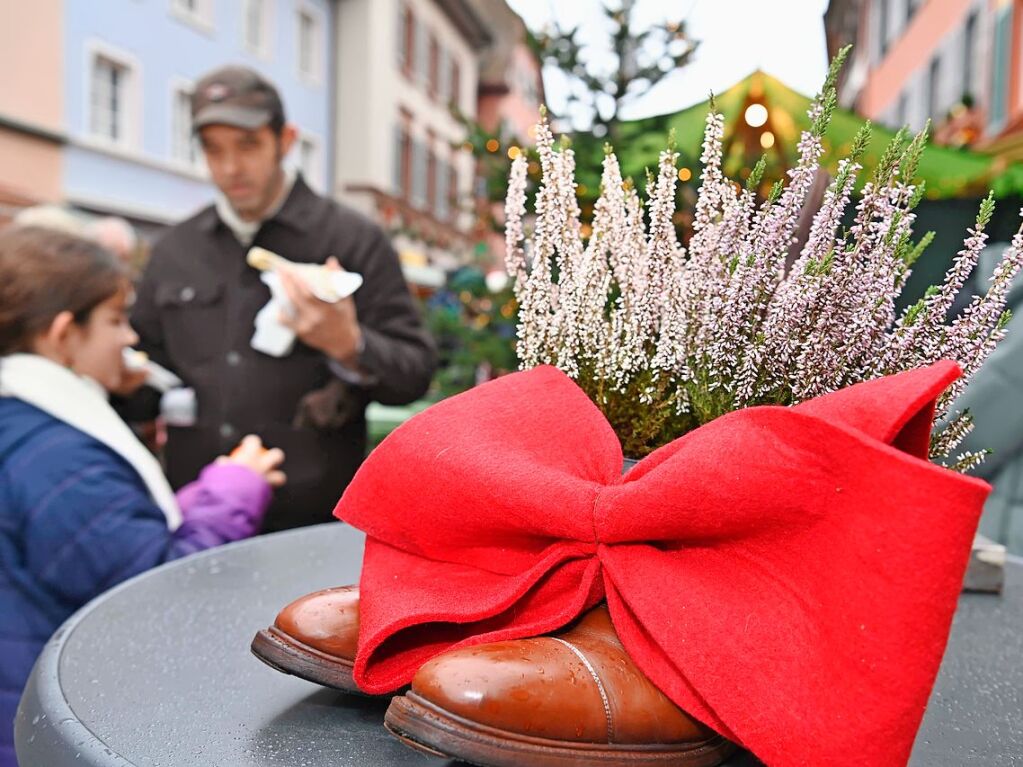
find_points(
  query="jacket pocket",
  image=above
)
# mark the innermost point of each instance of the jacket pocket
(192, 315)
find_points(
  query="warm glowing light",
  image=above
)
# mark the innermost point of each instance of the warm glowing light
(767, 139)
(756, 115)
(513, 152)
(493, 145)
(496, 282)
(684, 174)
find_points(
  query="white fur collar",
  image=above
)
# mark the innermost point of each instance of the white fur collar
(82, 403)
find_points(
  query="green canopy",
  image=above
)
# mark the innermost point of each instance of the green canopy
(947, 172)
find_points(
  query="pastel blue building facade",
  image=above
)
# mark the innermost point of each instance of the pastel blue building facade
(129, 66)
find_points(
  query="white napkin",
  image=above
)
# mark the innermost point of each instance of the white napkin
(277, 340)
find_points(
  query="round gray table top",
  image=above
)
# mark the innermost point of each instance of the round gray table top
(158, 672)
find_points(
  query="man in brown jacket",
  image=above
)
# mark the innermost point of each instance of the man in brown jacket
(198, 300)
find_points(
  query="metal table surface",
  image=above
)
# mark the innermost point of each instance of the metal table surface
(157, 672)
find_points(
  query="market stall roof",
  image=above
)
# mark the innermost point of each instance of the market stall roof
(947, 172)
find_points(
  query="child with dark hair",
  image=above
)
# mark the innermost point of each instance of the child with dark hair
(83, 504)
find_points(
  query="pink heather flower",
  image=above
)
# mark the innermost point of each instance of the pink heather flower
(723, 325)
(514, 210)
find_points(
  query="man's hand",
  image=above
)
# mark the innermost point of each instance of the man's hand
(333, 328)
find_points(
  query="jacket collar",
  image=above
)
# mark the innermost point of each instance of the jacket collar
(296, 212)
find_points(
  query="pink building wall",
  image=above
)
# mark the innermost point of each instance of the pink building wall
(31, 60)
(928, 27)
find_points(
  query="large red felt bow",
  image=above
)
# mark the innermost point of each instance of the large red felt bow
(786, 575)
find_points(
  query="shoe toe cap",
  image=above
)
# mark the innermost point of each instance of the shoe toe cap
(326, 620)
(532, 687)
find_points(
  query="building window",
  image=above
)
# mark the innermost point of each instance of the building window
(398, 161)
(431, 176)
(403, 45)
(452, 190)
(434, 67)
(444, 77)
(455, 99)
(443, 200)
(309, 57)
(882, 26)
(910, 9)
(422, 54)
(419, 174)
(969, 52)
(902, 111)
(109, 97)
(198, 13)
(256, 26)
(307, 161)
(402, 161)
(1000, 59)
(184, 149)
(934, 89)
(406, 163)
(524, 80)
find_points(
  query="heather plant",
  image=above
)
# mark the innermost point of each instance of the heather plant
(664, 339)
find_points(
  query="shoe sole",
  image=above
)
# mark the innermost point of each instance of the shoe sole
(286, 654)
(429, 728)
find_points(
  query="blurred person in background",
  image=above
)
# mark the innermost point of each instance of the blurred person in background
(994, 398)
(116, 235)
(198, 299)
(54, 217)
(83, 504)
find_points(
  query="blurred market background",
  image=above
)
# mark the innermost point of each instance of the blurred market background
(412, 110)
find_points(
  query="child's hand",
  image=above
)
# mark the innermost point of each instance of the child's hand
(131, 381)
(251, 454)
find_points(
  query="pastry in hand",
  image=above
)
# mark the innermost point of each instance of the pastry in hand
(327, 284)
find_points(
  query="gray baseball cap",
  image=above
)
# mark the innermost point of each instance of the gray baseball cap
(236, 96)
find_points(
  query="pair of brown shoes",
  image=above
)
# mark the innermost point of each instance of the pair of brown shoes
(568, 699)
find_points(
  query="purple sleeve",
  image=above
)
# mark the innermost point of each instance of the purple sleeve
(225, 504)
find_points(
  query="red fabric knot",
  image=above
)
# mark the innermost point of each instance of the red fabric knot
(805, 623)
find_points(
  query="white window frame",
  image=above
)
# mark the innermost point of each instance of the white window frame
(264, 48)
(314, 175)
(201, 18)
(315, 76)
(194, 163)
(130, 118)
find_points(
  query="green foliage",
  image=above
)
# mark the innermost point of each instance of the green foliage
(910, 161)
(642, 59)
(911, 257)
(756, 174)
(889, 159)
(1003, 320)
(474, 329)
(987, 209)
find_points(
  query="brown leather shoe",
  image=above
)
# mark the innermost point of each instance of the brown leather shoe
(575, 698)
(315, 638)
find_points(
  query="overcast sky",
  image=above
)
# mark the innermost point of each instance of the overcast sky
(782, 37)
